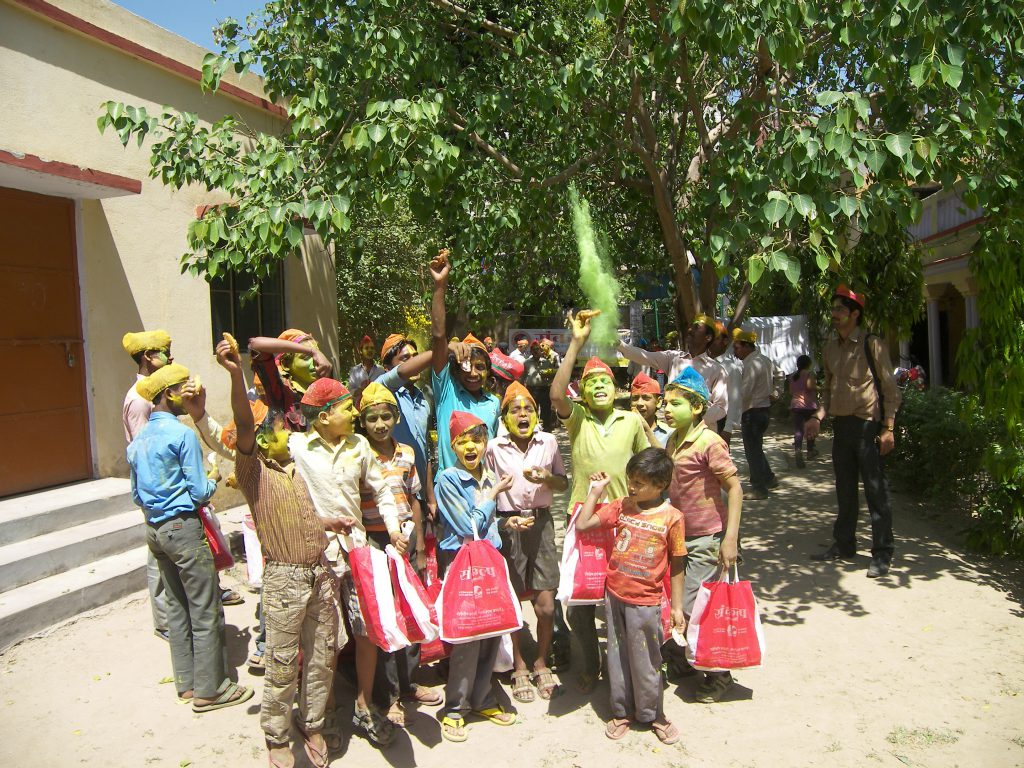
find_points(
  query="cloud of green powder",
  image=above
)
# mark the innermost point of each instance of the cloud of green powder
(597, 281)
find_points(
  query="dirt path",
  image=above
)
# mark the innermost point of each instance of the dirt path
(923, 668)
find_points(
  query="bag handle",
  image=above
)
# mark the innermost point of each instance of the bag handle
(728, 575)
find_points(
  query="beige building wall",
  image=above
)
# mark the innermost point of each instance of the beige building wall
(54, 80)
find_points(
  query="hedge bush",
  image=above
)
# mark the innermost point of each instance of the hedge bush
(948, 448)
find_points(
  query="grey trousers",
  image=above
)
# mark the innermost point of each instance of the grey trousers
(195, 615)
(583, 622)
(469, 676)
(300, 604)
(634, 659)
(157, 602)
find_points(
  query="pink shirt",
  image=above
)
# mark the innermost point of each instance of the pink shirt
(804, 398)
(503, 457)
(135, 413)
(695, 489)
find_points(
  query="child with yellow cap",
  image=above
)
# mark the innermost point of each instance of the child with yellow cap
(170, 484)
(603, 438)
(466, 494)
(531, 457)
(378, 415)
(151, 350)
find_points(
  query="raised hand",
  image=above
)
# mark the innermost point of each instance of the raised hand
(439, 267)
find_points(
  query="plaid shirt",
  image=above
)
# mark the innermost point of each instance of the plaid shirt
(400, 474)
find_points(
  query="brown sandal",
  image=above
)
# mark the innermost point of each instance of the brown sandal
(521, 688)
(617, 728)
(545, 682)
(666, 732)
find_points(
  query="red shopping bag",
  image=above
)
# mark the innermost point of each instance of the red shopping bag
(434, 650)
(372, 579)
(222, 558)
(411, 598)
(477, 600)
(725, 629)
(584, 566)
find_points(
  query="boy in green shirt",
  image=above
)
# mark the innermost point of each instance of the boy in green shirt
(603, 438)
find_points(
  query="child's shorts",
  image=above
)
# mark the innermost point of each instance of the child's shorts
(531, 555)
(350, 604)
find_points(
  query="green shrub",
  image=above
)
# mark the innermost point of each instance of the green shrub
(948, 448)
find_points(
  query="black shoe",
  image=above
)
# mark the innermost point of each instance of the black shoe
(878, 567)
(773, 483)
(833, 553)
(755, 494)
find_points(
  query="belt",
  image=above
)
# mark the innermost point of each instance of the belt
(535, 511)
(182, 516)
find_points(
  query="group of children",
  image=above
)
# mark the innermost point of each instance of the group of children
(317, 489)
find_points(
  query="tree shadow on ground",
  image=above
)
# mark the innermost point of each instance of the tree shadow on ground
(779, 535)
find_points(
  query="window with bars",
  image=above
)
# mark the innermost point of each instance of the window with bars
(245, 316)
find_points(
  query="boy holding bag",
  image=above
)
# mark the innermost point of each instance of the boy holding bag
(465, 503)
(650, 540)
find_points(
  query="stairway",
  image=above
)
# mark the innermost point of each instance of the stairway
(66, 550)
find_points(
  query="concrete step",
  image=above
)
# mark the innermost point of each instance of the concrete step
(41, 556)
(32, 607)
(33, 514)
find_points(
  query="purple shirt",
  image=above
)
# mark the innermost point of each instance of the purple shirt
(503, 457)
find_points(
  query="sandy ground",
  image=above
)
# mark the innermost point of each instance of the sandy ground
(922, 668)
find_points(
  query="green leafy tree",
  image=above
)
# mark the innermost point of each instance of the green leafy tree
(735, 139)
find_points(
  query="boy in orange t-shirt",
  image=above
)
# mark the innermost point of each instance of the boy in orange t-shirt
(650, 539)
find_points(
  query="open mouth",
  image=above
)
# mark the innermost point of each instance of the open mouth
(524, 425)
(470, 458)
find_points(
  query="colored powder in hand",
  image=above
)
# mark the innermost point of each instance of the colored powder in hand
(596, 279)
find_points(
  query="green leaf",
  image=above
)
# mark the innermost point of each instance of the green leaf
(898, 143)
(828, 98)
(294, 234)
(775, 208)
(955, 54)
(804, 206)
(376, 132)
(792, 271)
(848, 205)
(918, 74)
(875, 159)
(951, 75)
(755, 268)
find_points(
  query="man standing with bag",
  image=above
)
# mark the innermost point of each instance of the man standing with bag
(861, 395)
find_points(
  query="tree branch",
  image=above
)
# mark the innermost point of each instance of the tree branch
(459, 124)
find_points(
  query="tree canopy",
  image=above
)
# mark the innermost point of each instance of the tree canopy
(719, 139)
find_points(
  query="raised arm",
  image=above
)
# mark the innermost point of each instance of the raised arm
(658, 360)
(580, 325)
(245, 428)
(439, 269)
(270, 346)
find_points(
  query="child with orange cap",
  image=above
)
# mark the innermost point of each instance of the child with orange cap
(459, 383)
(378, 415)
(645, 397)
(466, 494)
(603, 439)
(532, 459)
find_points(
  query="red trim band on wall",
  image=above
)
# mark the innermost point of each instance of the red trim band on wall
(132, 48)
(72, 172)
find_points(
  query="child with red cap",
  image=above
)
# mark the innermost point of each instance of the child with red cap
(335, 462)
(603, 439)
(466, 494)
(460, 384)
(645, 397)
(532, 459)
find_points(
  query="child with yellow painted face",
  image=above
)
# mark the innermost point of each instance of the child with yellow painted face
(527, 528)
(299, 591)
(603, 439)
(703, 467)
(335, 462)
(466, 496)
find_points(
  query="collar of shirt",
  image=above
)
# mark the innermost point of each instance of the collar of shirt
(162, 416)
(505, 438)
(315, 442)
(487, 477)
(691, 437)
(853, 338)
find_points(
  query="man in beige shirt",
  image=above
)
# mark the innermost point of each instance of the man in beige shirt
(861, 396)
(756, 387)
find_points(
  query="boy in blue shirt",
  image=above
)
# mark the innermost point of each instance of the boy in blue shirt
(466, 496)
(170, 484)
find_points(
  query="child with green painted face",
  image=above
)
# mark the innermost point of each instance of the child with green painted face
(603, 438)
(703, 468)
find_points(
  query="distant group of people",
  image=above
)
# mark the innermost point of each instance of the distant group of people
(326, 468)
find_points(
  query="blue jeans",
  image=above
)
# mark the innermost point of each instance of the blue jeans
(754, 423)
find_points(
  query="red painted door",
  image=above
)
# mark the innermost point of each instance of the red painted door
(44, 422)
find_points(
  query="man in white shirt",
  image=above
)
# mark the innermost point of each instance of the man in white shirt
(366, 370)
(758, 385)
(522, 350)
(734, 378)
(672, 361)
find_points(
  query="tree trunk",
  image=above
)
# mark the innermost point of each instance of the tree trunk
(708, 287)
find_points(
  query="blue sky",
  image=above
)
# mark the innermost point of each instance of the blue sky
(192, 19)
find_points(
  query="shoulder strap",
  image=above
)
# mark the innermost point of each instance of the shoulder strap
(874, 374)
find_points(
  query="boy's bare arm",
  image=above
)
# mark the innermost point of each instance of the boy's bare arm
(439, 269)
(245, 427)
(271, 346)
(587, 519)
(417, 521)
(729, 549)
(580, 333)
(678, 581)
